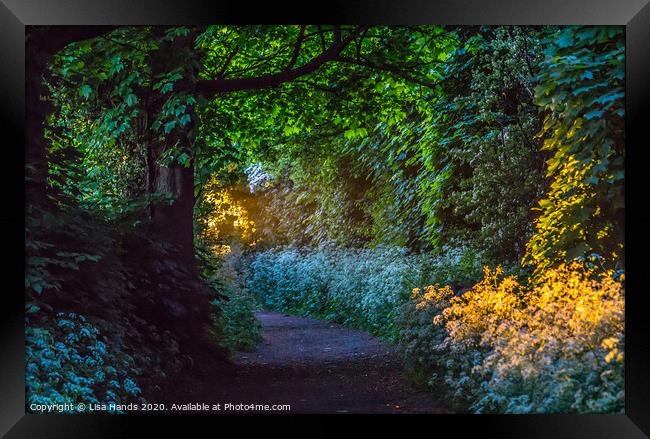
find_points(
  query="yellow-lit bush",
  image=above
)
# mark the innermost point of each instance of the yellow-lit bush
(505, 347)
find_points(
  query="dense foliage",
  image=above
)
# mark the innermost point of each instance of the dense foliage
(362, 288)
(128, 295)
(458, 165)
(581, 85)
(233, 325)
(180, 178)
(483, 166)
(69, 365)
(502, 346)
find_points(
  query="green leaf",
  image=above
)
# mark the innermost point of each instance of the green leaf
(169, 126)
(85, 91)
(131, 100)
(185, 119)
(289, 130)
(587, 75)
(594, 114)
(184, 160)
(565, 39)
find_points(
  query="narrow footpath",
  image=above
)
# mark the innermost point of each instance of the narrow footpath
(315, 367)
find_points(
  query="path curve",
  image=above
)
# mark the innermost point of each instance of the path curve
(318, 367)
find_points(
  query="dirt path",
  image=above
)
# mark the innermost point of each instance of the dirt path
(317, 367)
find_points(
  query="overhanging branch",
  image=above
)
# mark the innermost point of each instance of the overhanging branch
(211, 87)
(296, 49)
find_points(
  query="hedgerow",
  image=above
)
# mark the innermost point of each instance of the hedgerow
(506, 347)
(362, 288)
(500, 345)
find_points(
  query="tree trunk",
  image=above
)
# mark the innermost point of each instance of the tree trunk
(172, 222)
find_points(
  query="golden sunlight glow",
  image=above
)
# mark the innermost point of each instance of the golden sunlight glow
(226, 217)
(569, 313)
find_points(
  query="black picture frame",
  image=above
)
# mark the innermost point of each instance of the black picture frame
(633, 14)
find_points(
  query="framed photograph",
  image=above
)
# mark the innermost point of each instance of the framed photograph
(352, 208)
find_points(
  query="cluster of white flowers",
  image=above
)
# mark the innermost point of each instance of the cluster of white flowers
(362, 288)
(257, 177)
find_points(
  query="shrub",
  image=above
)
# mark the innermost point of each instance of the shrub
(502, 346)
(418, 338)
(71, 363)
(237, 327)
(362, 288)
(234, 326)
(126, 284)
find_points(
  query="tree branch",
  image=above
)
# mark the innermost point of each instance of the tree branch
(123, 44)
(227, 62)
(322, 39)
(296, 48)
(214, 86)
